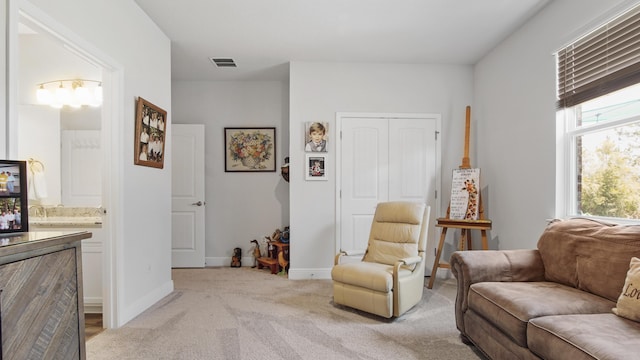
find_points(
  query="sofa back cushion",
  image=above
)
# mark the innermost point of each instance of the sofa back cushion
(589, 255)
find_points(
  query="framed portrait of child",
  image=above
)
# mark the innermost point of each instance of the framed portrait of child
(316, 137)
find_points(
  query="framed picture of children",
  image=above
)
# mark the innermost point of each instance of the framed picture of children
(13, 196)
(150, 134)
(316, 137)
(316, 167)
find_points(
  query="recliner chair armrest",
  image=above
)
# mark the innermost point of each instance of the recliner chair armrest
(411, 260)
(347, 253)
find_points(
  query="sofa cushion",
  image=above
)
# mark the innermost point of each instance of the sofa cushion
(510, 305)
(628, 305)
(589, 255)
(595, 336)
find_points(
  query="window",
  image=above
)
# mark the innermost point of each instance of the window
(599, 122)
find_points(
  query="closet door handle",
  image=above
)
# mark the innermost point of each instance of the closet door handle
(199, 203)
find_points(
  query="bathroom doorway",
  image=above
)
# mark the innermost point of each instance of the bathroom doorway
(66, 57)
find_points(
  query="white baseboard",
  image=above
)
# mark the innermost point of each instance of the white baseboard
(93, 305)
(247, 261)
(306, 274)
(144, 303)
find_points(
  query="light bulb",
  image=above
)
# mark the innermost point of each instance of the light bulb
(44, 96)
(82, 95)
(97, 97)
(63, 95)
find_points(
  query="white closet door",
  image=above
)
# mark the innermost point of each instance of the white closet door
(384, 159)
(365, 177)
(412, 160)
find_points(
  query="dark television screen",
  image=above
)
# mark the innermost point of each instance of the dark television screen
(13, 196)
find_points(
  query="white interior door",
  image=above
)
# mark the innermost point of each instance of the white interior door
(188, 196)
(365, 177)
(81, 168)
(385, 158)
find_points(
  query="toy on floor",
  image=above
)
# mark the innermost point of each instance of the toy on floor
(284, 237)
(256, 253)
(276, 235)
(236, 259)
(284, 263)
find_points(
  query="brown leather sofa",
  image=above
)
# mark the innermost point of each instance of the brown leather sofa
(553, 302)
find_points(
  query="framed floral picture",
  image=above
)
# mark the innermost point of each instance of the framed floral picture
(150, 134)
(315, 167)
(250, 149)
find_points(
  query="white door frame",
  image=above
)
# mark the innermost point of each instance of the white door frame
(112, 112)
(338, 159)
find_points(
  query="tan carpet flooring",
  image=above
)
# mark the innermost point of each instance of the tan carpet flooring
(245, 313)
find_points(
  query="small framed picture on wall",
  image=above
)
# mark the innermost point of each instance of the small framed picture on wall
(316, 167)
(316, 136)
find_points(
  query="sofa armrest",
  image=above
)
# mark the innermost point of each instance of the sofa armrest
(470, 267)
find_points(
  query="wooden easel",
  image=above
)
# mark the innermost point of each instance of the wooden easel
(465, 226)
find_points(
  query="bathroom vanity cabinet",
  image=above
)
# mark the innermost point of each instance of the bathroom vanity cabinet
(41, 302)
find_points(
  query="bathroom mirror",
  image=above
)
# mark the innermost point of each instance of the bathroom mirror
(67, 140)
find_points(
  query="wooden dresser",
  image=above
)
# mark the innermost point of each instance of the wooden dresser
(41, 302)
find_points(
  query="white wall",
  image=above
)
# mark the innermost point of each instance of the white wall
(515, 106)
(240, 206)
(318, 91)
(120, 30)
(35, 140)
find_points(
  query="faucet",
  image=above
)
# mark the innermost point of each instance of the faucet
(38, 211)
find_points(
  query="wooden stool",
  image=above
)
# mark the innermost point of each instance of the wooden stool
(272, 261)
(465, 239)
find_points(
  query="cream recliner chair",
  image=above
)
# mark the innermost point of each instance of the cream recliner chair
(390, 278)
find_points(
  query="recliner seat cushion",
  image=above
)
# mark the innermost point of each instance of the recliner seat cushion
(373, 276)
(591, 336)
(510, 305)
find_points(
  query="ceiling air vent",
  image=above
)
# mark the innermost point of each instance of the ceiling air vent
(223, 62)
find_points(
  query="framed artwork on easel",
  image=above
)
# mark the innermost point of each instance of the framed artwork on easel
(465, 194)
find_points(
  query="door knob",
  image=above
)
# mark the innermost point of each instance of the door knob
(199, 203)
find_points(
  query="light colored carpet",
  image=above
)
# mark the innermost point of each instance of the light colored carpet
(245, 313)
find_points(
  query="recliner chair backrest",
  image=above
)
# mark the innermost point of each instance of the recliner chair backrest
(396, 232)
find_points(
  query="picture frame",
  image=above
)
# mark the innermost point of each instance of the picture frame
(151, 124)
(465, 194)
(250, 149)
(315, 167)
(13, 195)
(316, 136)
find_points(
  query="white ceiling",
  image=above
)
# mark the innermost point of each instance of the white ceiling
(263, 36)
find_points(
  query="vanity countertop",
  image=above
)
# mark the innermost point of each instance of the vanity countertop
(66, 221)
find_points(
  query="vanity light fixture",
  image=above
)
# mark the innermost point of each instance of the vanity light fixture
(73, 92)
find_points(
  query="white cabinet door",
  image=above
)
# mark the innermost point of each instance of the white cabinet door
(384, 158)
